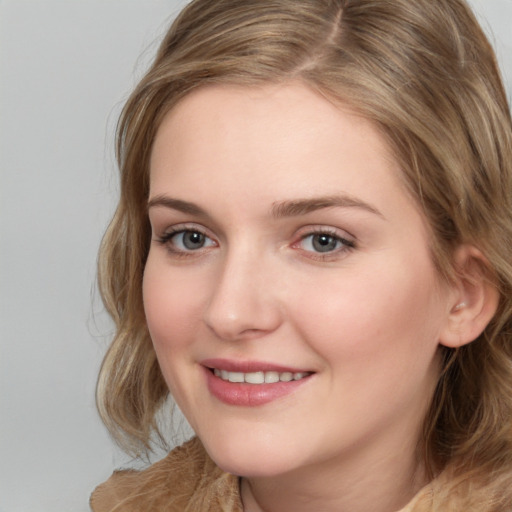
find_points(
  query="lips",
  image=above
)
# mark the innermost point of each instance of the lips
(251, 383)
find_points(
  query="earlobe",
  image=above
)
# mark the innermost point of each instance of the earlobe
(475, 299)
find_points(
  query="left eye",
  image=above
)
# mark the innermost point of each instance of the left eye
(189, 240)
(323, 242)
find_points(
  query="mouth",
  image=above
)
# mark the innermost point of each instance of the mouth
(252, 383)
(259, 377)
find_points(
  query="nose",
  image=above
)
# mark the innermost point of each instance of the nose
(244, 302)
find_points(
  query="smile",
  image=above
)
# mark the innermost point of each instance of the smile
(252, 383)
(269, 377)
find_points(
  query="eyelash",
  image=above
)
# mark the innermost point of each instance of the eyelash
(346, 245)
(166, 240)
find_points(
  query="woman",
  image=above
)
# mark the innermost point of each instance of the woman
(311, 254)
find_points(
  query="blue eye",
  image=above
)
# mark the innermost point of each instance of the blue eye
(187, 240)
(324, 243)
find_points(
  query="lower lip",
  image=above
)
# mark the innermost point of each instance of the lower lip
(250, 395)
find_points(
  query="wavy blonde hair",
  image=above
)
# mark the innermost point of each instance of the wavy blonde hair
(425, 74)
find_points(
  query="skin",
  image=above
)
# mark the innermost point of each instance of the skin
(366, 317)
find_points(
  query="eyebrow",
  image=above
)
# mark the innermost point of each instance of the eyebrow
(176, 204)
(280, 209)
(303, 206)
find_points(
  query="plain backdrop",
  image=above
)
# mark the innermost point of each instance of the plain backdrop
(65, 69)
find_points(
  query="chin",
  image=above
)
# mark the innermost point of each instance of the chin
(265, 466)
(249, 457)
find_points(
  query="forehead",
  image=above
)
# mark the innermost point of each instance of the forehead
(276, 142)
(269, 121)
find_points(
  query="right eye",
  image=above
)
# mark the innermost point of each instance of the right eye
(186, 240)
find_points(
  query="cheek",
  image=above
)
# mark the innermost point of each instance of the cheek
(377, 337)
(172, 308)
(384, 317)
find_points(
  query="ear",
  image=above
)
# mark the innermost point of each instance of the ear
(475, 298)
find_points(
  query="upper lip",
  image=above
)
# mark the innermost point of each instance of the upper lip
(231, 365)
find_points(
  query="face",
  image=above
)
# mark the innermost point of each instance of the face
(289, 289)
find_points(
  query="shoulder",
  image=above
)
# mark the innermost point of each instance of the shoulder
(187, 479)
(449, 492)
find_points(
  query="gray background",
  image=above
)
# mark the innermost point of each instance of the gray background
(65, 69)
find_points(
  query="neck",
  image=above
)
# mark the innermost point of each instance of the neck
(372, 484)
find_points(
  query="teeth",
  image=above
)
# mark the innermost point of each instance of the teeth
(259, 377)
(286, 376)
(235, 377)
(255, 378)
(271, 377)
